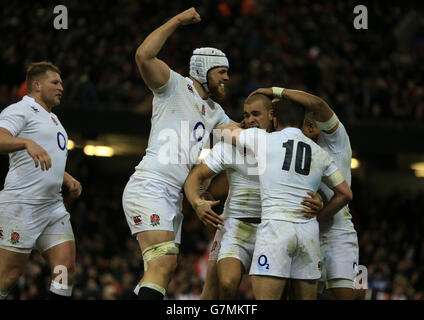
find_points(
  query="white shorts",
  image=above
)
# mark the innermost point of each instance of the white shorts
(340, 254)
(215, 246)
(152, 205)
(287, 250)
(238, 241)
(24, 226)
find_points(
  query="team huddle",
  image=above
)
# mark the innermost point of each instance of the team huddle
(285, 222)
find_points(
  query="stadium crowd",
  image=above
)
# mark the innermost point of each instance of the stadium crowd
(373, 73)
(309, 46)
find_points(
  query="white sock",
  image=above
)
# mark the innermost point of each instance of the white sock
(60, 289)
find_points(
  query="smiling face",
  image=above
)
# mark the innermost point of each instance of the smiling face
(257, 115)
(51, 89)
(217, 77)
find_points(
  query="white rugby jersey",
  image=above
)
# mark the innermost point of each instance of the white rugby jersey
(244, 195)
(28, 119)
(337, 144)
(181, 124)
(290, 164)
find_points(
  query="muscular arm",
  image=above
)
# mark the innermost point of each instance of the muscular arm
(9, 143)
(195, 179)
(154, 71)
(320, 109)
(342, 196)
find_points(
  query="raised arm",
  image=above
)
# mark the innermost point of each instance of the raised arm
(9, 143)
(154, 71)
(320, 109)
(203, 208)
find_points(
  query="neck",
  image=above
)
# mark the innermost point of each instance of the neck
(40, 101)
(279, 128)
(199, 88)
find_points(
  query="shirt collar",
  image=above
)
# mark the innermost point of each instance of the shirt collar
(32, 101)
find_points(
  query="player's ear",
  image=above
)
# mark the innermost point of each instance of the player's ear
(275, 122)
(271, 115)
(36, 86)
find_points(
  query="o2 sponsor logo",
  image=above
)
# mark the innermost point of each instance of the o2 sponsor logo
(198, 134)
(61, 141)
(263, 261)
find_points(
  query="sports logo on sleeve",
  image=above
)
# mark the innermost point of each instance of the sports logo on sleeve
(55, 121)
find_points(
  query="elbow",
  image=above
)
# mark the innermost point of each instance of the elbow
(139, 56)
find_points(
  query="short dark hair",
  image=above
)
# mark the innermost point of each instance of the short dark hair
(259, 96)
(37, 70)
(289, 113)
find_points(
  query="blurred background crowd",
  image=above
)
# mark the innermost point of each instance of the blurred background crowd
(298, 44)
(363, 74)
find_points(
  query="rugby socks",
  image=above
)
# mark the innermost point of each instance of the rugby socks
(149, 291)
(59, 291)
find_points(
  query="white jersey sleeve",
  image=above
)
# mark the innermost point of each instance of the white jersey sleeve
(337, 144)
(169, 87)
(13, 119)
(215, 159)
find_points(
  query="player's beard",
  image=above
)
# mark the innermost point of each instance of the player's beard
(217, 91)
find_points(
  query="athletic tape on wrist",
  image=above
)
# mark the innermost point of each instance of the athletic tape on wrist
(277, 92)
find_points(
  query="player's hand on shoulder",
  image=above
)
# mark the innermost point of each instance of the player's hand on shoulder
(188, 16)
(39, 155)
(264, 91)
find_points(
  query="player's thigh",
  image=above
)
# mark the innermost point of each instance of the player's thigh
(57, 242)
(21, 224)
(268, 287)
(304, 289)
(238, 242)
(306, 261)
(340, 260)
(61, 256)
(150, 238)
(150, 217)
(210, 289)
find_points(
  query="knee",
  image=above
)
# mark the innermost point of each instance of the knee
(165, 265)
(228, 285)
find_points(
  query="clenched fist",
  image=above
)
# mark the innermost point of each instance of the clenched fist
(189, 16)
